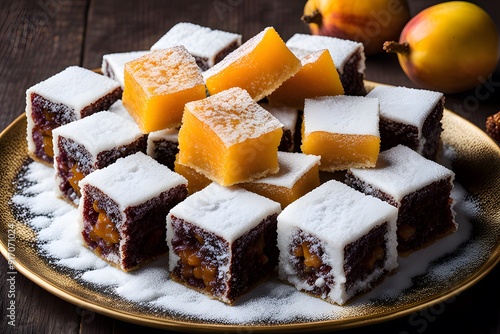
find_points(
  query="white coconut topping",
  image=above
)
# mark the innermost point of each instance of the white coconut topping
(352, 115)
(228, 212)
(401, 171)
(406, 105)
(133, 180)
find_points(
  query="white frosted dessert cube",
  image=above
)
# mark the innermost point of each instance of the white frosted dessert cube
(222, 241)
(113, 64)
(91, 143)
(163, 146)
(298, 174)
(411, 117)
(336, 242)
(207, 46)
(123, 209)
(69, 95)
(421, 190)
(288, 117)
(343, 130)
(348, 57)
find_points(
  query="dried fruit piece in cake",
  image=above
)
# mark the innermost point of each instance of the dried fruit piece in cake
(348, 57)
(127, 228)
(158, 84)
(411, 117)
(336, 242)
(163, 146)
(343, 130)
(92, 143)
(65, 97)
(222, 241)
(317, 77)
(420, 188)
(207, 46)
(259, 66)
(289, 117)
(113, 64)
(229, 138)
(298, 175)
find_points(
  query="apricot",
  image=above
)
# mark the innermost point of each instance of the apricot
(369, 22)
(449, 47)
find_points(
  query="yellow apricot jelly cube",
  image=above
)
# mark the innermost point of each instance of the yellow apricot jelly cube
(317, 77)
(229, 138)
(158, 85)
(343, 130)
(298, 175)
(260, 65)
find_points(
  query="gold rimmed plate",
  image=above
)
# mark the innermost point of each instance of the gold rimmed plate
(472, 155)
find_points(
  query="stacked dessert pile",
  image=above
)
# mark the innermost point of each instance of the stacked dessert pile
(211, 150)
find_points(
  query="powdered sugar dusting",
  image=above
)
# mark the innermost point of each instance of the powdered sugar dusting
(166, 71)
(59, 241)
(234, 116)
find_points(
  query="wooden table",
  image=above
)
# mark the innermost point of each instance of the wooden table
(40, 38)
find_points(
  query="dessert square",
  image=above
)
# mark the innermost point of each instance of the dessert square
(260, 65)
(317, 77)
(127, 228)
(298, 174)
(67, 96)
(158, 84)
(113, 64)
(336, 242)
(222, 241)
(163, 146)
(207, 46)
(343, 130)
(289, 117)
(420, 188)
(411, 117)
(229, 138)
(91, 143)
(348, 57)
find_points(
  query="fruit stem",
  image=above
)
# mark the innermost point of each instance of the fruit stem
(315, 17)
(394, 47)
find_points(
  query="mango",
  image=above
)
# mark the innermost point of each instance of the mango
(450, 47)
(369, 22)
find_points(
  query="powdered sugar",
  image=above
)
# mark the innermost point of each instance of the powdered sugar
(234, 116)
(341, 50)
(59, 241)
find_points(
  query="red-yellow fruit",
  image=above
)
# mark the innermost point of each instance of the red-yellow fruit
(450, 47)
(371, 22)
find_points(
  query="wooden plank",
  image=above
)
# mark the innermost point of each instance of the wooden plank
(37, 39)
(118, 26)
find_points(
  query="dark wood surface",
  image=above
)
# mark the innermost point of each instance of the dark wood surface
(40, 38)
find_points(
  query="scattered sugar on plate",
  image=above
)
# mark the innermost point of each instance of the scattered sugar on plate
(60, 243)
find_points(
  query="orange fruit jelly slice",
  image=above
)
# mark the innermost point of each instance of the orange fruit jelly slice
(343, 130)
(229, 138)
(158, 85)
(317, 77)
(259, 66)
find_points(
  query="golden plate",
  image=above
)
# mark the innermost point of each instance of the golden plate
(475, 160)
